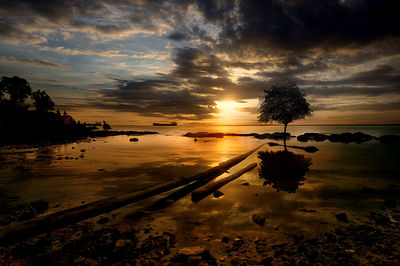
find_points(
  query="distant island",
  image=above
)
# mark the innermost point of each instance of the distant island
(165, 124)
(23, 122)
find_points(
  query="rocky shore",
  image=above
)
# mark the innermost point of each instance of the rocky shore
(374, 240)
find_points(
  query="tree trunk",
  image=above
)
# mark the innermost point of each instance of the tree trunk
(284, 137)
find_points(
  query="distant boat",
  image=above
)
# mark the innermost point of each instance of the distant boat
(165, 124)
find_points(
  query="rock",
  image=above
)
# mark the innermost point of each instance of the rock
(225, 239)
(391, 203)
(267, 260)
(40, 206)
(195, 139)
(272, 144)
(204, 135)
(310, 149)
(218, 194)
(193, 255)
(103, 220)
(83, 150)
(312, 136)
(258, 219)
(368, 190)
(276, 135)
(245, 184)
(133, 139)
(307, 210)
(341, 217)
(237, 242)
(101, 170)
(389, 139)
(347, 137)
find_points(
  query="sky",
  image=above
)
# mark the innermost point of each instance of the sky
(206, 61)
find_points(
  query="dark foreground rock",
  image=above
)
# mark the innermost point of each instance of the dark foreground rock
(373, 240)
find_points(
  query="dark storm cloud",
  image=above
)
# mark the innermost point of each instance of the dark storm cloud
(299, 25)
(170, 95)
(176, 36)
(157, 98)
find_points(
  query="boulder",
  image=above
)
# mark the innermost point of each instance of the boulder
(312, 136)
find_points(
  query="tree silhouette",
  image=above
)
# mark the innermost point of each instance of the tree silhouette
(42, 101)
(283, 102)
(18, 89)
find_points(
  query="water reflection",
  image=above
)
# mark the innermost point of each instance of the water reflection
(284, 170)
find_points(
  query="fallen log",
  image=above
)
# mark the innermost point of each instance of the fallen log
(33, 227)
(208, 189)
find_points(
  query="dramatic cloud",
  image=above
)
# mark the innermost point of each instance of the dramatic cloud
(32, 61)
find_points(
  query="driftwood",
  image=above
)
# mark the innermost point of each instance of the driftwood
(33, 227)
(208, 189)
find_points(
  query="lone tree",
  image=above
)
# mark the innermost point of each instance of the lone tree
(42, 101)
(283, 102)
(18, 89)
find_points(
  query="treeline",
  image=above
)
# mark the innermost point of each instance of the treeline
(23, 122)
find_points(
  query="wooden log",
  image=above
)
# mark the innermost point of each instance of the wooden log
(29, 228)
(208, 189)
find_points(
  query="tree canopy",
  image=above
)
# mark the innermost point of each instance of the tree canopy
(283, 103)
(42, 101)
(18, 89)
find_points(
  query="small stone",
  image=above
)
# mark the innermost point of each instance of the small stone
(191, 251)
(83, 150)
(133, 139)
(103, 220)
(267, 260)
(245, 184)
(195, 139)
(258, 219)
(350, 251)
(341, 217)
(225, 239)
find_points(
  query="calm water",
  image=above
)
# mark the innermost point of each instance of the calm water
(106, 166)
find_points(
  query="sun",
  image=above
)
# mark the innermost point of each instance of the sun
(229, 111)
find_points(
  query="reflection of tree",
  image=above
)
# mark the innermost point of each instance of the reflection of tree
(284, 170)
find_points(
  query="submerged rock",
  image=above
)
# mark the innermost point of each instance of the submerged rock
(312, 136)
(341, 217)
(133, 139)
(258, 219)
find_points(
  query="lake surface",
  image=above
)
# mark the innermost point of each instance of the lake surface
(351, 178)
